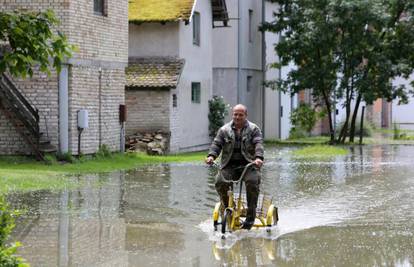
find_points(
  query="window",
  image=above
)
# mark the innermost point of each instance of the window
(196, 28)
(99, 7)
(195, 92)
(249, 83)
(250, 25)
(174, 99)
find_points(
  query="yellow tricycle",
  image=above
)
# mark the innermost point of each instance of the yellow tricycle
(232, 217)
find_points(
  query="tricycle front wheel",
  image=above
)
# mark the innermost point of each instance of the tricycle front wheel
(226, 222)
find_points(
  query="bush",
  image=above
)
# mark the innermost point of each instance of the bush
(367, 130)
(7, 257)
(103, 152)
(303, 119)
(50, 159)
(218, 110)
(67, 157)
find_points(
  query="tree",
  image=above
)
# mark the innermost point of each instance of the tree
(27, 40)
(345, 49)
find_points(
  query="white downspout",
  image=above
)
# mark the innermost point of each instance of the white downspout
(239, 50)
(263, 71)
(63, 110)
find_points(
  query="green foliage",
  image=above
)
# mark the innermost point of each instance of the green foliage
(103, 152)
(7, 252)
(367, 128)
(50, 159)
(303, 119)
(218, 109)
(66, 157)
(30, 41)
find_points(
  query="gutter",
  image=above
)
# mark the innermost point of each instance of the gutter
(263, 71)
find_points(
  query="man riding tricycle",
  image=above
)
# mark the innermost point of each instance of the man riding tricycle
(240, 144)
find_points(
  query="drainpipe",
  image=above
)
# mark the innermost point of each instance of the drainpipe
(279, 104)
(239, 50)
(63, 110)
(263, 71)
(100, 106)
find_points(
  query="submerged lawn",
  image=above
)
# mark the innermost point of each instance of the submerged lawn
(320, 151)
(312, 140)
(24, 174)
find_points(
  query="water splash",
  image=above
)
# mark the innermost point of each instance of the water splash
(232, 238)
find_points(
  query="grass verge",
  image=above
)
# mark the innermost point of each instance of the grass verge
(312, 140)
(320, 151)
(25, 174)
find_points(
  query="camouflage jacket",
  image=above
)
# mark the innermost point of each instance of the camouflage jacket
(251, 143)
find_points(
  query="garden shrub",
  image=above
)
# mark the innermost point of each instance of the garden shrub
(218, 110)
(7, 252)
(103, 152)
(367, 128)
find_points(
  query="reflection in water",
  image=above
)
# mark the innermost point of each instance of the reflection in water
(250, 252)
(355, 210)
(77, 228)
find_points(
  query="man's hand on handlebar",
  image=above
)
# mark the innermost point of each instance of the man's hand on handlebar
(258, 162)
(210, 160)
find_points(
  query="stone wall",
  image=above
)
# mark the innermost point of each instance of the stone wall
(102, 42)
(147, 110)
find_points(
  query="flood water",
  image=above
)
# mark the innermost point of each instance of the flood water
(355, 210)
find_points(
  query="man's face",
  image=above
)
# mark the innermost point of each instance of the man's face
(239, 116)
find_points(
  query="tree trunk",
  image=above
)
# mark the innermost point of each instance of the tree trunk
(344, 130)
(328, 107)
(354, 116)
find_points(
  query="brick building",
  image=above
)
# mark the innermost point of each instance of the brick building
(93, 79)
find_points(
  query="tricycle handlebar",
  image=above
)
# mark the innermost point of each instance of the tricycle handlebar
(241, 176)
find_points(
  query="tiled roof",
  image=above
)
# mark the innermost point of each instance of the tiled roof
(153, 72)
(159, 10)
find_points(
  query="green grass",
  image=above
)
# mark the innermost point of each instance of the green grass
(27, 180)
(320, 151)
(313, 140)
(24, 174)
(391, 131)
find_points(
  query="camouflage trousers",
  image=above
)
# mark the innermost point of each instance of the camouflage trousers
(251, 182)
